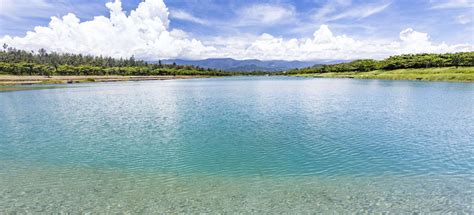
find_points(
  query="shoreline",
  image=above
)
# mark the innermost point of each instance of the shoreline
(446, 74)
(462, 75)
(323, 76)
(16, 80)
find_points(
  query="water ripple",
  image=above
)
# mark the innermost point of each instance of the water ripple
(273, 132)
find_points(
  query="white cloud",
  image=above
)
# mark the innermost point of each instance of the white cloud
(338, 9)
(456, 4)
(342, 2)
(183, 15)
(464, 19)
(265, 14)
(16, 9)
(360, 12)
(450, 4)
(325, 45)
(324, 11)
(329, 8)
(145, 33)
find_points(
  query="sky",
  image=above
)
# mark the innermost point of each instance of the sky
(306, 30)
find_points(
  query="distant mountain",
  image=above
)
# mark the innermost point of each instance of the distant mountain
(229, 64)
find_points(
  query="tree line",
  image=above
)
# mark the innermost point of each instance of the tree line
(20, 62)
(407, 61)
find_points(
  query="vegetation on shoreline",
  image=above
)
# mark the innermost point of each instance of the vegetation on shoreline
(9, 80)
(408, 61)
(430, 67)
(464, 74)
(20, 62)
(427, 67)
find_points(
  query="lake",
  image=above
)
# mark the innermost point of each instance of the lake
(240, 144)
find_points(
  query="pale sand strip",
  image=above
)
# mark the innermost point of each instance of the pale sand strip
(28, 80)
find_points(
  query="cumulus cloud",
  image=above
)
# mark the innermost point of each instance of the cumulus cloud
(325, 45)
(145, 33)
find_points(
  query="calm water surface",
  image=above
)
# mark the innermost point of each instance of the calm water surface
(247, 145)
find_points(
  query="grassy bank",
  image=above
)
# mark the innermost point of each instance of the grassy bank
(9, 80)
(461, 74)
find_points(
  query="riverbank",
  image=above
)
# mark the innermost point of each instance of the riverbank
(461, 74)
(10, 80)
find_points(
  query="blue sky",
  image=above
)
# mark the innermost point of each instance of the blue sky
(215, 22)
(387, 21)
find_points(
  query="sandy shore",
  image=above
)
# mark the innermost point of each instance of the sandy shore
(29, 80)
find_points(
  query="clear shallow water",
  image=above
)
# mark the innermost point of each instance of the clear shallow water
(239, 145)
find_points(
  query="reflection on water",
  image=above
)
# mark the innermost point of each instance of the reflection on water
(239, 145)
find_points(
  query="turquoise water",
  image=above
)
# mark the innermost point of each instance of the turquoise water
(249, 145)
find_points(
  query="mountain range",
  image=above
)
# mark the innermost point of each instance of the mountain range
(229, 64)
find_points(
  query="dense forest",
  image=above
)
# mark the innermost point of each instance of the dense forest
(408, 61)
(20, 62)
